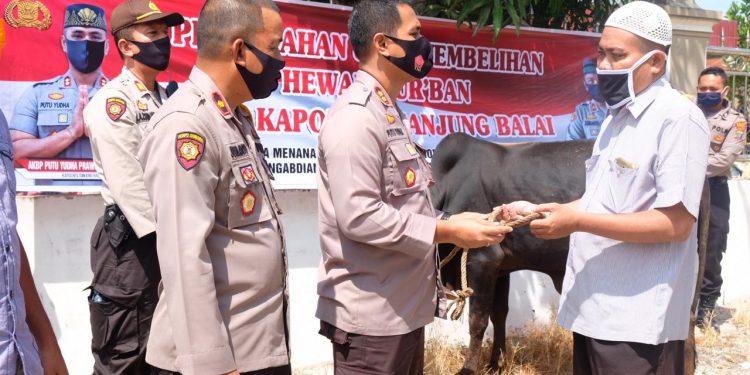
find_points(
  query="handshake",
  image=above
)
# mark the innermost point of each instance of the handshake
(471, 230)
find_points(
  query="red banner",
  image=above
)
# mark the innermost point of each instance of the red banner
(520, 88)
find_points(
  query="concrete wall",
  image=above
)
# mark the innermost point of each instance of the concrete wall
(56, 232)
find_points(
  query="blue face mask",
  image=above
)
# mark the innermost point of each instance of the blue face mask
(85, 55)
(709, 100)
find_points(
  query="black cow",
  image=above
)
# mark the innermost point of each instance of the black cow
(474, 175)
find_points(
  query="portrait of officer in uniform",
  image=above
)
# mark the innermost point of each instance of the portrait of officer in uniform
(223, 308)
(378, 282)
(124, 239)
(48, 121)
(587, 119)
(728, 137)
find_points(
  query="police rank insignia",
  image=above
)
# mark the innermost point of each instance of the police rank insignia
(28, 13)
(221, 104)
(381, 95)
(55, 96)
(115, 108)
(248, 203)
(248, 174)
(410, 177)
(140, 86)
(189, 147)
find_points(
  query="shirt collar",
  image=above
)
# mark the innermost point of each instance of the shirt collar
(210, 92)
(647, 96)
(68, 81)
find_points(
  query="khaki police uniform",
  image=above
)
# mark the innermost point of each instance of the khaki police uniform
(728, 136)
(378, 276)
(224, 300)
(123, 251)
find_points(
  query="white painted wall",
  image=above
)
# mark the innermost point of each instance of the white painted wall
(56, 232)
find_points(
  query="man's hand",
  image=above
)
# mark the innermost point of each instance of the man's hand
(52, 360)
(561, 221)
(78, 127)
(235, 372)
(470, 231)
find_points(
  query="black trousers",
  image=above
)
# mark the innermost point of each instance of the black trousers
(600, 357)
(122, 301)
(281, 370)
(355, 354)
(718, 229)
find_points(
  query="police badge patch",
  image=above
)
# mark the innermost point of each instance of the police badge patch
(410, 177)
(741, 127)
(115, 108)
(248, 174)
(189, 147)
(248, 204)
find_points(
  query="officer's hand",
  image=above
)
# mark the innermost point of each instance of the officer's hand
(78, 128)
(235, 372)
(472, 233)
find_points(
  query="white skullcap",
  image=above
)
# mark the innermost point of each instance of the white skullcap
(646, 20)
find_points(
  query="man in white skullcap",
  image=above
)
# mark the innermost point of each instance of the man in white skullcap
(630, 273)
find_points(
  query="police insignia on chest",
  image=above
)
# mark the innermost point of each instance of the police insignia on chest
(142, 105)
(248, 174)
(248, 204)
(55, 96)
(391, 119)
(410, 177)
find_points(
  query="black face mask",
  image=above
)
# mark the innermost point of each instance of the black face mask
(85, 55)
(418, 59)
(262, 84)
(154, 54)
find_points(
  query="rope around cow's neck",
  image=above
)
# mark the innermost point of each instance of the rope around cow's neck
(462, 295)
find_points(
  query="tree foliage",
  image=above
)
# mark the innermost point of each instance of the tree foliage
(583, 15)
(740, 13)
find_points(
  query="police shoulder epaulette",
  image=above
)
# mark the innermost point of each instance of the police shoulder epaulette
(359, 94)
(48, 82)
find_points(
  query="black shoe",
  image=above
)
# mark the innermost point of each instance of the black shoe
(705, 312)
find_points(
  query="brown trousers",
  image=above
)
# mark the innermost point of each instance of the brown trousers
(355, 354)
(600, 357)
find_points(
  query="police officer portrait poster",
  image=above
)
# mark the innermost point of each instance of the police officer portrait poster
(527, 87)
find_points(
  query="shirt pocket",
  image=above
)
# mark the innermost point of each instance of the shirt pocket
(248, 203)
(406, 174)
(622, 183)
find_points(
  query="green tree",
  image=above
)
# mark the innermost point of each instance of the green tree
(740, 13)
(584, 15)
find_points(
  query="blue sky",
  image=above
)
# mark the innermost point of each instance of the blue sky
(721, 5)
